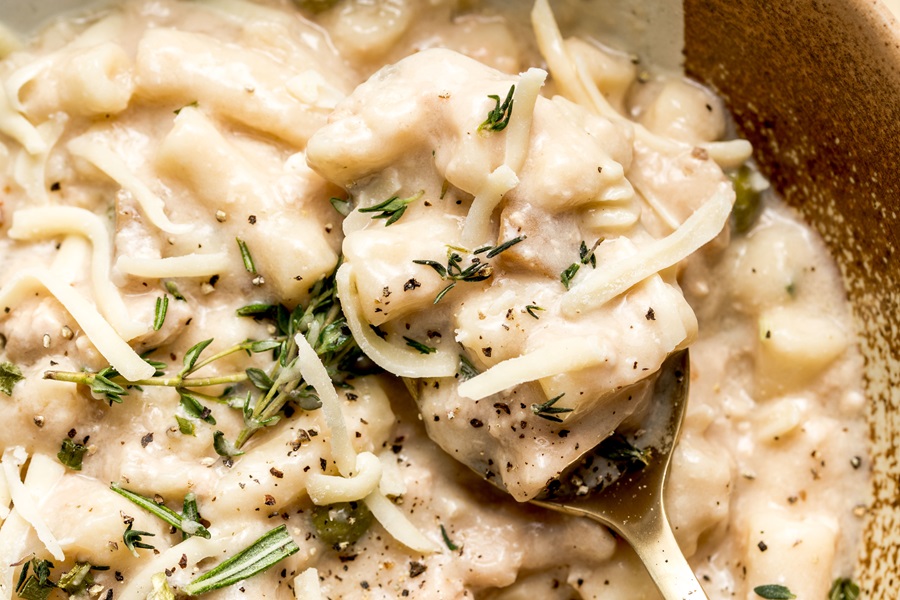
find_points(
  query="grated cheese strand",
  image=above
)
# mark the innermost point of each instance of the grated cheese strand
(552, 359)
(399, 361)
(518, 132)
(602, 285)
(328, 489)
(108, 343)
(477, 228)
(397, 524)
(188, 265)
(315, 374)
(24, 502)
(109, 162)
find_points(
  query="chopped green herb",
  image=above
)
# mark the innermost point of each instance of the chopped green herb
(162, 306)
(617, 448)
(843, 588)
(498, 117)
(259, 556)
(185, 426)
(505, 246)
(77, 579)
(548, 411)
(466, 369)
(566, 276)
(587, 254)
(773, 592)
(71, 454)
(392, 208)
(223, 447)
(134, 539)
(161, 588)
(38, 585)
(341, 524)
(477, 270)
(245, 256)
(193, 104)
(419, 346)
(344, 207)
(450, 545)
(10, 375)
(181, 522)
(531, 308)
(190, 516)
(173, 289)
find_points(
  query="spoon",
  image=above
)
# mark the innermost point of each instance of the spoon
(630, 501)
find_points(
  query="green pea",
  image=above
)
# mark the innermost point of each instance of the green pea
(341, 524)
(747, 203)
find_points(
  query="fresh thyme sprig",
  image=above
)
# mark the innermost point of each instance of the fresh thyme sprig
(618, 449)
(498, 117)
(183, 522)
(585, 257)
(548, 411)
(392, 208)
(477, 269)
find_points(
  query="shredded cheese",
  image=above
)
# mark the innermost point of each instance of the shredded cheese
(518, 132)
(109, 162)
(566, 355)
(38, 223)
(399, 361)
(477, 228)
(315, 374)
(25, 503)
(189, 265)
(19, 128)
(397, 524)
(328, 489)
(5, 498)
(602, 285)
(112, 347)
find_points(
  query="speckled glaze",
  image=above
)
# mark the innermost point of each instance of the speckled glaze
(815, 86)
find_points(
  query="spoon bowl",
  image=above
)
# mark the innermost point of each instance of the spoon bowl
(629, 498)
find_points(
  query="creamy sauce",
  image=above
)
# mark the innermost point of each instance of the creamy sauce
(139, 143)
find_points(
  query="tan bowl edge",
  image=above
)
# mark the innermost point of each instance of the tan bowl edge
(815, 86)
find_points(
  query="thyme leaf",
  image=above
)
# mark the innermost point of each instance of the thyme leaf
(173, 289)
(505, 246)
(259, 556)
(392, 208)
(246, 256)
(548, 411)
(450, 545)
(617, 448)
(71, 454)
(422, 348)
(344, 207)
(181, 522)
(773, 591)
(162, 306)
(185, 426)
(531, 308)
(568, 275)
(843, 588)
(498, 117)
(223, 447)
(10, 375)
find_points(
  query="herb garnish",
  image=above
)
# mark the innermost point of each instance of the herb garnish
(392, 208)
(259, 556)
(173, 289)
(162, 305)
(422, 348)
(531, 308)
(71, 454)
(498, 117)
(38, 585)
(78, 579)
(774, 591)
(466, 369)
(617, 448)
(585, 257)
(344, 207)
(548, 411)
(246, 256)
(477, 270)
(843, 588)
(134, 539)
(184, 522)
(450, 545)
(10, 375)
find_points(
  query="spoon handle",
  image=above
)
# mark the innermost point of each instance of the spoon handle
(655, 544)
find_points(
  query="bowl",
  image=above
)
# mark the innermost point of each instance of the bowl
(815, 86)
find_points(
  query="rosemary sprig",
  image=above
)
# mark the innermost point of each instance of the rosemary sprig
(585, 257)
(476, 270)
(182, 522)
(134, 539)
(498, 117)
(259, 556)
(392, 208)
(548, 411)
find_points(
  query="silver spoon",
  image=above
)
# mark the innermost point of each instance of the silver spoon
(631, 502)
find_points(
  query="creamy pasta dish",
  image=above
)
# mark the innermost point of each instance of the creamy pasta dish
(282, 283)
